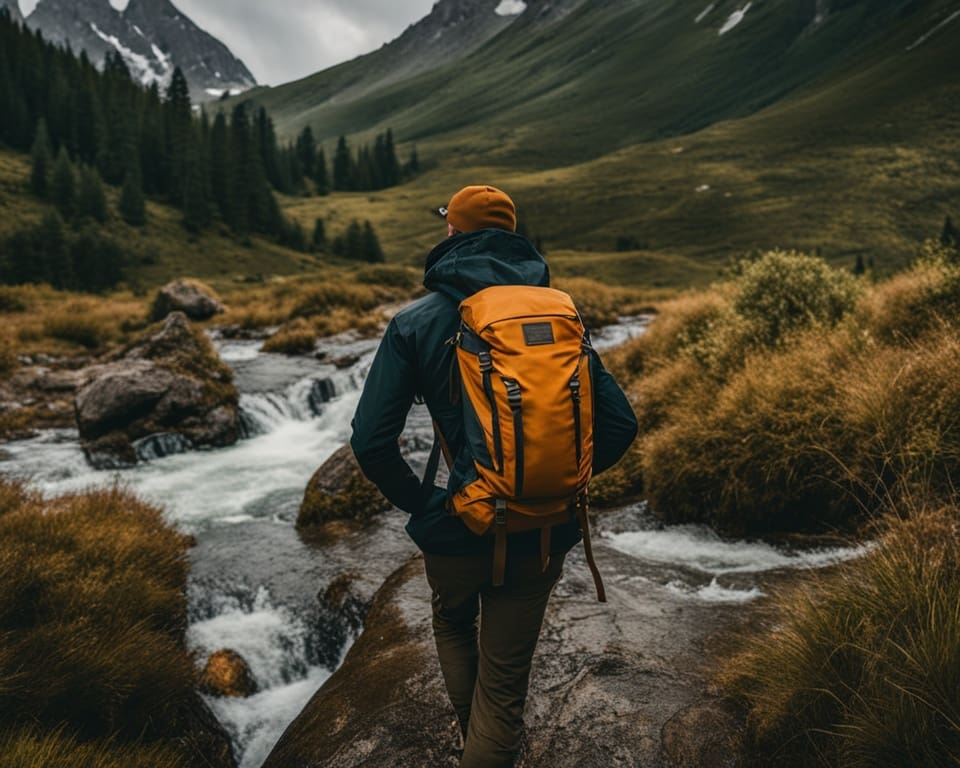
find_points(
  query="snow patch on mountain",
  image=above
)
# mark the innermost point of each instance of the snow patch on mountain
(510, 8)
(704, 13)
(140, 66)
(734, 19)
(923, 38)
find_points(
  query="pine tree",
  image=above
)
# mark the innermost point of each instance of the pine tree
(371, 250)
(307, 152)
(63, 186)
(132, 206)
(859, 267)
(179, 122)
(91, 200)
(41, 157)
(219, 163)
(51, 247)
(320, 176)
(196, 205)
(319, 241)
(391, 167)
(342, 165)
(950, 235)
(413, 164)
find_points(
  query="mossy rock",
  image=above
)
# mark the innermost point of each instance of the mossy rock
(339, 491)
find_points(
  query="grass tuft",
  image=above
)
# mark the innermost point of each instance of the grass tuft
(92, 623)
(860, 666)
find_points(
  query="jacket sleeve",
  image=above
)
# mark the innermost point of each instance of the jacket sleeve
(614, 423)
(387, 397)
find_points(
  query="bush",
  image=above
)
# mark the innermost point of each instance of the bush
(861, 666)
(911, 304)
(754, 453)
(78, 324)
(327, 296)
(92, 619)
(13, 299)
(295, 338)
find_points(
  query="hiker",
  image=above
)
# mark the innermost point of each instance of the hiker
(487, 558)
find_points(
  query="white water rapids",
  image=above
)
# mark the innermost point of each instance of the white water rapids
(253, 581)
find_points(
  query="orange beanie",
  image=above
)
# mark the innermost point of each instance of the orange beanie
(480, 207)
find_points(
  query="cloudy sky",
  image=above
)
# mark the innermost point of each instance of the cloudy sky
(282, 40)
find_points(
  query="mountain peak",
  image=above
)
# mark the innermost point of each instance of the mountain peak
(153, 36)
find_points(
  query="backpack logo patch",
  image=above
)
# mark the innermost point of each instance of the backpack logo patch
(538, 334)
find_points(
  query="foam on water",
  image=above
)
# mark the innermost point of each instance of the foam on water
(699, 548)
(714, 592)
(256, 723)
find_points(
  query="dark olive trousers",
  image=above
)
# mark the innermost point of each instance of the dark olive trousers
(487, 668)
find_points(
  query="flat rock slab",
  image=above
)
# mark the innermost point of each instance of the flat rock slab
(621, 684)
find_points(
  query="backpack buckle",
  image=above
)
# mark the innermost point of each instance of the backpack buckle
(486, 362)
(513, 393)
(500, 517)
(575, 388)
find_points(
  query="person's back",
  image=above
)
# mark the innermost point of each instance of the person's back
(486, 671)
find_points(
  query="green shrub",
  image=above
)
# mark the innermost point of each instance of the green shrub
(860, 666)
(784, 292)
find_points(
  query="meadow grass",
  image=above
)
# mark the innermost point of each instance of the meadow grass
(92, 618)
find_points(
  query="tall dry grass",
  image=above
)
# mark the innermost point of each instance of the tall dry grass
(776, 401)
(92, 623)
(859, 667)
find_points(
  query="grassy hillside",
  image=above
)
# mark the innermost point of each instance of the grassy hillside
(633, 121)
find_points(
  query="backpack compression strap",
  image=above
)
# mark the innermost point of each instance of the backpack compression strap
(583, 506)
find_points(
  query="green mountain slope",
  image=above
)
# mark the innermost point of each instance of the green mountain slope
(609, 75)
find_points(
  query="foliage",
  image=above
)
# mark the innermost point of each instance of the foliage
(93, 667)
(358, 243)
(50, 253)
(297, 337)
(370, 168)
(860, 666)
(136, 137)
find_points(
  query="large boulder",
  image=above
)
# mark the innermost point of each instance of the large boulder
(619, 684)
(168, 392)
(196, 300)
(339, 491)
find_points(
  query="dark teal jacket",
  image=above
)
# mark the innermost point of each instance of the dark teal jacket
(414, 361)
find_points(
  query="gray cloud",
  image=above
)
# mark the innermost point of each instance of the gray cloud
(282, 40)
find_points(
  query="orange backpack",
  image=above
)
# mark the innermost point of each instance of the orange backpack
(524, 367)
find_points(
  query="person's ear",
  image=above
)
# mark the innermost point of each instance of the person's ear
(451, 230)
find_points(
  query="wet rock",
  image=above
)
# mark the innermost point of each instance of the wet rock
(166, 393)
(346, 361)
(321, 391)
(339, 491)
(227, 674)
(616, 684)
(344, 600)
(196, 300)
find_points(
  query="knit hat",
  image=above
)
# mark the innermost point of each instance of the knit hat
(480, 207)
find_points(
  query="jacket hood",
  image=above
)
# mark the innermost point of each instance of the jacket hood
(462, 265)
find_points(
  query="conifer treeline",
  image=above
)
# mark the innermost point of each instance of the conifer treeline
(145, 140)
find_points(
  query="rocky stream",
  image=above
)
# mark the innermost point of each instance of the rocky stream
(615, 684)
